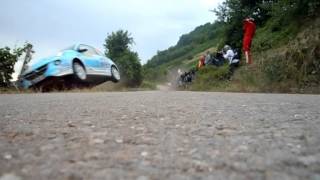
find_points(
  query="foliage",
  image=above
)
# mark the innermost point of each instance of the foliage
(300, 65)
(291, 67)
(118, 49)
(278, 23)
(279, 65)
(232, 13)
(211, 78)
(155, 74)
(130, 68)
(147, 85)
(199, 40)
(282, 13)
(117, 43)
(8, 58)
(287, 60)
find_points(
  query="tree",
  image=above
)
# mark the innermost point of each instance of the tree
(117, 43)
(232, 12)
(8, 58)
(130, 68)
(117, 46)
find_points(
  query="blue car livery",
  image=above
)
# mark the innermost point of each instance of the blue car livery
(78, 64)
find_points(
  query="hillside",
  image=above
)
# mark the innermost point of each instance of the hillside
(290, 65)
(286, 51)
(185, 53)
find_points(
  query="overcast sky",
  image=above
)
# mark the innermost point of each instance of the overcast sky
(51, 25)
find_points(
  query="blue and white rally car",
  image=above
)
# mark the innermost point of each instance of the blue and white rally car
(79, 64)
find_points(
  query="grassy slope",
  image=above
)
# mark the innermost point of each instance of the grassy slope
(184, 54)
(285, 60)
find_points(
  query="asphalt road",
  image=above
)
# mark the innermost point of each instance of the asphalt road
(159, 135)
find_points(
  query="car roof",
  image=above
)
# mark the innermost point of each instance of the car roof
(78, 44)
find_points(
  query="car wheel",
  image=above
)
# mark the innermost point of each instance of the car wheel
(115, 74)
(79, 71)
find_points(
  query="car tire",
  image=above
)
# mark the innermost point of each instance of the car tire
(115, 74)
(79, 71)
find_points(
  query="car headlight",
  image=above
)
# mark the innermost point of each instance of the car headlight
(57, 62)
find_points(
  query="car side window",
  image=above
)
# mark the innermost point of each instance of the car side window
(99, 52)
(90, 51)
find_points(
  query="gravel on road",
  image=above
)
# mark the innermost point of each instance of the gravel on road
(159, 135)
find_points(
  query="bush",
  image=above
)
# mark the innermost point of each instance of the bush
(155, 75)
(148, 85)
(211, 78)
(299, 63)
(7, 60)
(130, 69)
(118, 49)
(190, 57)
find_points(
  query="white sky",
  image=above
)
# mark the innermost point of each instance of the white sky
(51, 25)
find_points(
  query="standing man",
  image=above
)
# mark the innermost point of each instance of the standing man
(249, 29)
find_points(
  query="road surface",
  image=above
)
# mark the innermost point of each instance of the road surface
(159, 135)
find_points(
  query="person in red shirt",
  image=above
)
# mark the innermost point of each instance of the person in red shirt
(249, 29)
(201, 62)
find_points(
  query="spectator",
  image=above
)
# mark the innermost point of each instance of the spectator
(249, 28)
(232, 57)
(228, 53)
(208, 58)
(219, 59)
(201, 62)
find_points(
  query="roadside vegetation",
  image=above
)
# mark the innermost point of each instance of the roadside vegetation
(118, 49)
(8, 57)
(285, 49)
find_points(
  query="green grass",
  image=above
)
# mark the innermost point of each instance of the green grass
(211, 78)
(275, 34)
(286, 60)
(147, 85)
(186, 61)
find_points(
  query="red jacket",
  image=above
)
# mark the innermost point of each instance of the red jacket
(249, 29)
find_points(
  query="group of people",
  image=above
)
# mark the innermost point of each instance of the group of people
(186, 78)
(227, 54)
(232, 56)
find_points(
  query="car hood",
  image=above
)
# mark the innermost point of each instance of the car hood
(41, 62)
